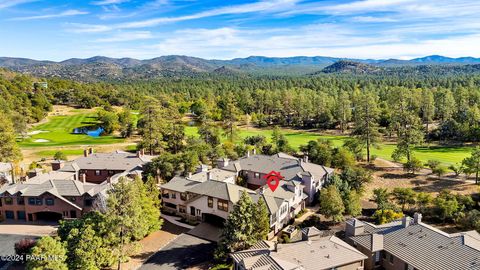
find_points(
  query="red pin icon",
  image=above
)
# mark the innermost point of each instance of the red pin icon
(273, 179)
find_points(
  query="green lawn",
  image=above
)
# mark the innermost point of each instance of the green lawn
(445, 154)
(59, 131)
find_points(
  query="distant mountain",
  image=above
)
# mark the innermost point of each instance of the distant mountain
(346, 66)
(106, 68)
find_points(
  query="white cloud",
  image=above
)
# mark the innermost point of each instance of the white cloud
(11, 3)
(67, 13)
(127, 36)
(109, 2)
(371, 19)
(87, 28)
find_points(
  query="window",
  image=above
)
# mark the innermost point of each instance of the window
(111, 172)
(210, 202)
(183, 196)
(73, 214)
(9, 215)
(21, 201)
(21, 215)
(88, 202)
(49, 201)
(199, 212)
(97, 172)
(170, 205)
(166, 195)
(222, 205)
(182, 209)
(384, 255)
(72, 199)
(8, 201)
(65, 213)
(174, 195)
(35, 201)
(391, 258)
(257, 175)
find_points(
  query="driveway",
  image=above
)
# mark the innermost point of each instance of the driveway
(183, 252)
(206, 231)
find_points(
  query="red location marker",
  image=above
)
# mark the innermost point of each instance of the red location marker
(273, 179)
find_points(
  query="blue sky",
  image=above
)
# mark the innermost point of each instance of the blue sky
(380, 29)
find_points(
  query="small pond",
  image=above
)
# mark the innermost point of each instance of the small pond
(93, 131)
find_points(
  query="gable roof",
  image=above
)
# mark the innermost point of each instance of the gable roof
(289, 166)
(220, 190)
(316, 253)
(117, 160)
(451, 251)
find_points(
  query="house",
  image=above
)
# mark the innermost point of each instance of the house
(49, 197)
(313, 252)
(6, 173)
(254, 167)
(99, 167)
(209, 195)
(71, 188)
(413, 245)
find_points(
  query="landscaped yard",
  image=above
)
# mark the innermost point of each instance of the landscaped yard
(445, 154)
(58, 131)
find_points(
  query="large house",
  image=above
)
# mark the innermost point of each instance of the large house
(209, 195)
(99, 167)
(50, 196)
(411, 244)
(70, 190)
(314, 252)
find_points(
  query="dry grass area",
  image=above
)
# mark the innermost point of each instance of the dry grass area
(390, 175)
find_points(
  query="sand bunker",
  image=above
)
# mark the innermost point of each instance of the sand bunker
(41, 140)
(35, 132)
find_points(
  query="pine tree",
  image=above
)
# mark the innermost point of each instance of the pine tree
(9, 151)
(366, 126)
(54, 253)
(262, 220)
(239, 231)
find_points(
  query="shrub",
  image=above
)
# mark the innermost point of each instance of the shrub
(24, 246)
(373, 158)
(222, 266)
(284, 239)
(386, 216)
(60, 156)
(440, 170)
(432, 164)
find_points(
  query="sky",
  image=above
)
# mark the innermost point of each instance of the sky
(214, 29)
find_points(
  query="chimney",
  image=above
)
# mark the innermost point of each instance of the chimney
(262, 189)
(354, 227)
(406, 221)
(189, 175)
(90, 151)
(223, 162)
(376, 242)
(305, 158)
(248, 153)
(417, 218)
(83, 178)
(139, 153)
(142, 152)
(57, 165)
(208, 175)
(254, 151)
(85, 153)
(275, 246)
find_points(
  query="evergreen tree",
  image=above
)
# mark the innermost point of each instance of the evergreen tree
(51, 248)
(9, 150)
(343, 110)
(472, 164)
(366, 126)
(239, 231)
(262, 220)
(352, 203)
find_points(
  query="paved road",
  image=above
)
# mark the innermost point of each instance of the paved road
(183, 252)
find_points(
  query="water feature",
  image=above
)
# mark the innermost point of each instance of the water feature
(92, 131)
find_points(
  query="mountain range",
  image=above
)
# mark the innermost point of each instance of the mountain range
(105, 68)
